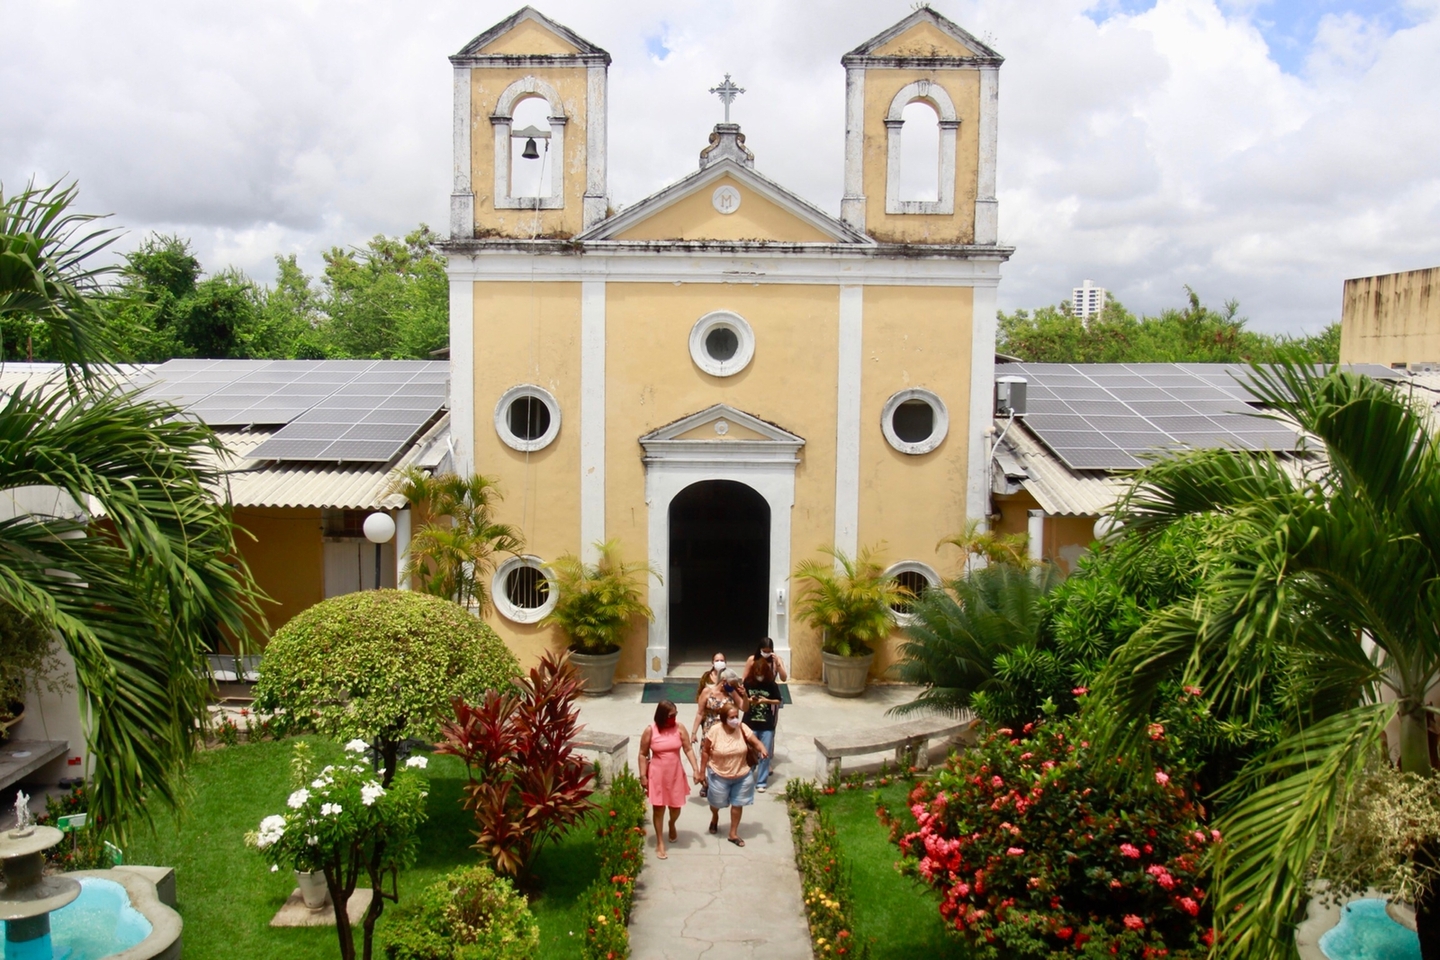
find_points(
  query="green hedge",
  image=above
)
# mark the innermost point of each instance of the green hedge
(471, 914)
(380, 665)
(621, 843)
(824, 875)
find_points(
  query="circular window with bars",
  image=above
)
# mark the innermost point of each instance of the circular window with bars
(917, 578)
(522, 590)
(527, 417)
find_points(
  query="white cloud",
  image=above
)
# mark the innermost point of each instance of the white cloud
(1146, 151)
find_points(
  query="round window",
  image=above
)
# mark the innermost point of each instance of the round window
(916, 578)
(521, 590)
(722, 343)
(527, 417)
(914, 421)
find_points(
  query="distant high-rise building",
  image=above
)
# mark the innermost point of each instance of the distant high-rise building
(1088, 300)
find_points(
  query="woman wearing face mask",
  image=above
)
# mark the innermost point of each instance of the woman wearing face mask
(767, 651)
(727, 774)
(763, 692)
(719, 686)
(661, 774)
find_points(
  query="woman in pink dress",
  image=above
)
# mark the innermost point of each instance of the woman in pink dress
(661, 774)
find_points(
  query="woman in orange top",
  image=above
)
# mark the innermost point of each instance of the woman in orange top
(727, 775)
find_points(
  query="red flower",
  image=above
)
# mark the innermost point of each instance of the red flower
(1130, 850)
(1133, 922)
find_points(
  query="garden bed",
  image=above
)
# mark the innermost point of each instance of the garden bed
(227, 895)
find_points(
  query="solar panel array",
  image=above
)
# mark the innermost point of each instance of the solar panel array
(1111, 416)
(363, 411)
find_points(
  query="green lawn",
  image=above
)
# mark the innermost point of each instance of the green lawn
(896, 916)
(227, 894)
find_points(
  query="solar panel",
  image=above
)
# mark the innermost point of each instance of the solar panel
(1115, 416)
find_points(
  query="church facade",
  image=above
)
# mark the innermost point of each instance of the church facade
(722, 377)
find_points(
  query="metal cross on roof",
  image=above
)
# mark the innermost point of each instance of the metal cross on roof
(727, 92)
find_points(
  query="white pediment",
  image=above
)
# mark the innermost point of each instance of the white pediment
(722, 432)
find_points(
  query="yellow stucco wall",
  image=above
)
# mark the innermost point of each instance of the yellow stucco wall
(790, 382)
(486, 87)
(530, 333)
(695, 218)
(963, 87)
(913, 337)
(1391, 319)
(529, 37)
(1066, 538)
(286, 556)
(923, 40)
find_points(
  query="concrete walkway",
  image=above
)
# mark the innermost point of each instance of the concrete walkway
(710, 898)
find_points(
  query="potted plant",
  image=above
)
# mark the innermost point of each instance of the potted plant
(27, 654)
(849, 600)
(595, 604)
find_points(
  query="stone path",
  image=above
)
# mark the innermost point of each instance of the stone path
(710, 898)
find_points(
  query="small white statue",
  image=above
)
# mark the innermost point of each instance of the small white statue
(24, 823)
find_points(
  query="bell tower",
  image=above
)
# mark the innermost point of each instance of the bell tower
(929, 61)
(529, 131)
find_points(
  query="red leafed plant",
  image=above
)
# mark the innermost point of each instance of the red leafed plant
(527, 785)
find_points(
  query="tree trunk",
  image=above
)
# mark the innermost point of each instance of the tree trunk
(1414, 740)
(389, 759)
(340, 903)
(1427, 905)
(377, 897)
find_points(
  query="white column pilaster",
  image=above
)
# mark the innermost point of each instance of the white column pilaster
(982, 391)
(987, 208)
(596, 129)
(462, 374)
(852, 204)
(402, 548)
(592, 417)
(847, 419)
(462, 197)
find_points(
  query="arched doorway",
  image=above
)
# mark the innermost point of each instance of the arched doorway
(719, 577)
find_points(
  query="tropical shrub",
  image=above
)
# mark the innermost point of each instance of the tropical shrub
(453, 552)
(850, 605)
(620, 839)
(526, 783)
(1390, 824)
(471, 914)
(824, 876)
(343, 822)
(598, 600)
(1040, 848)
(379, 666)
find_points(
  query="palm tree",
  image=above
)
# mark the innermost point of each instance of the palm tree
(140, 583)
(1334, 572)
(850, 600)
(598, 600)
(977, 645)
(976, 543)
(456, 550)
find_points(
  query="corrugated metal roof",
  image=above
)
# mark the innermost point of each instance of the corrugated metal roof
(1059, 490)
(351, 486)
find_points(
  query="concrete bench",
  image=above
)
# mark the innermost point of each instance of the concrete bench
(609, 750)
(910, 740)
(21, 758)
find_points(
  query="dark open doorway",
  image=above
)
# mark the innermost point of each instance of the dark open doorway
(719, 571)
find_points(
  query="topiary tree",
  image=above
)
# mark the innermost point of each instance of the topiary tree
(380, 666)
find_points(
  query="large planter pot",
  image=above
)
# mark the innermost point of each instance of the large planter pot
(597, 670)
(845, 676)
(312, 888)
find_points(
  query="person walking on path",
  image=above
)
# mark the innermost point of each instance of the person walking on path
(767, 650)
(727, 770)
(764, 695)
(661, 773)
(726, 690)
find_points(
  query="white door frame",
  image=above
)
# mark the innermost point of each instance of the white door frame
(674, 462)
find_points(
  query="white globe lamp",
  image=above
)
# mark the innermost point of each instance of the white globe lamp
(379, 528)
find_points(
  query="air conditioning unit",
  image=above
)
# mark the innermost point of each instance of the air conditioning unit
(1010, 396)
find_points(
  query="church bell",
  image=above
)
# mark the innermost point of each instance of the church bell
(530, 152)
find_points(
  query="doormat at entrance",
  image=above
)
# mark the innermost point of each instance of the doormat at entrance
(683, 692)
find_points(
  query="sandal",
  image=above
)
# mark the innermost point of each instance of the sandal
(662, 855)
(674, 834)
(736, 840)
(715, 827)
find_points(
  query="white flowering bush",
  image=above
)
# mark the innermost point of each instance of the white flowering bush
(341, 821)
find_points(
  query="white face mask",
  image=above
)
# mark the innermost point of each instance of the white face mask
(733, 722)
(719, 667)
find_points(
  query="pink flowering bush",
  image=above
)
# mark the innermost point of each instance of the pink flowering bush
(1039, 852)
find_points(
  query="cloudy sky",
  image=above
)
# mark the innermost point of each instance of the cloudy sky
(1258, 149)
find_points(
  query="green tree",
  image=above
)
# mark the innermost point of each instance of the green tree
(136, 599)
(1194, 333)
(849, 599)
(1331, 572)
(389, 300)
(453, 552)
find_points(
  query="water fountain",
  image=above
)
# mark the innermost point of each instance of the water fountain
(29, 896)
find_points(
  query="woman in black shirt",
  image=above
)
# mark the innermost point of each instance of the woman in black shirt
(761, 673)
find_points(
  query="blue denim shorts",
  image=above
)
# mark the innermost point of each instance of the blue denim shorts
(721, 792)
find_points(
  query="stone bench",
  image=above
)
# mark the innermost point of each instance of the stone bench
(910, 740)
(20, 759)
(609, 750)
